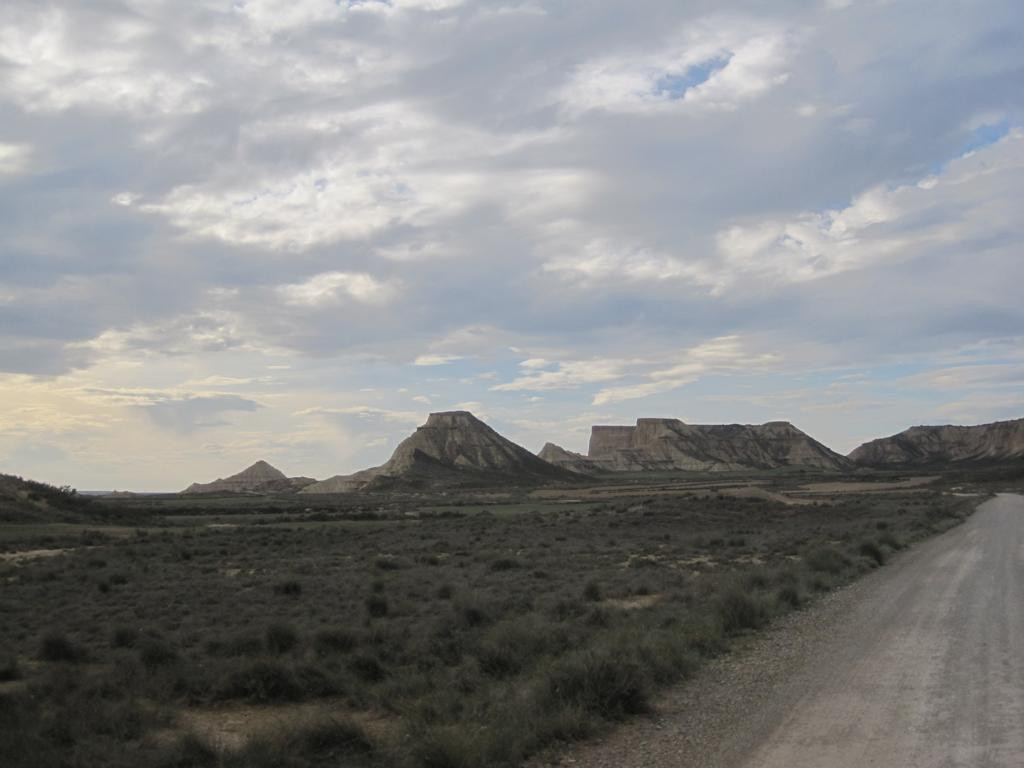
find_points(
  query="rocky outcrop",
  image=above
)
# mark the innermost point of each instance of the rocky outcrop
(259, 478)
(453, 448)
(574, 462)
(670, 444)
(999, 441)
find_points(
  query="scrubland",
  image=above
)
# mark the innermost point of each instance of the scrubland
(426, 632)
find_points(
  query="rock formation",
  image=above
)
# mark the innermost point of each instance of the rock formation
(574, 462)
(259, 478)
(453, 448)
(999, 441)
(670, 444)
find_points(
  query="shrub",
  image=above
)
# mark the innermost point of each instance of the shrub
(367, 668)
(592, 591)
(155, 653)
(332, 641)
(890, 540)
(124, 637)
(56, 647)
(738, 611)
(445, 592)
(509, 647)
(871, 550)
(281, 638)
(377, 606)
(9, 670)
(239, 645)
(504, 564)
(291, 588)
(789, 596)
(604, 683)
(826, 560)
(261, 681)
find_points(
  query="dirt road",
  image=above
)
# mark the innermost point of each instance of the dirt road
(919, 665)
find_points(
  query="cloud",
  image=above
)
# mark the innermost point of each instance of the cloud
(430, 360)
(726, 353)
(567, 375)
(965, 203)
(187, 415)
(14, 158)
(314, 204)
(330, 287)
(601, 260)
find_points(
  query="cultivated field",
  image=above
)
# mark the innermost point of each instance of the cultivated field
(409, 630)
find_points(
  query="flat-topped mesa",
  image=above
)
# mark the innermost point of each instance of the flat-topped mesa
(261, 477)
(670, 444)
(995, 442)
(452, 448)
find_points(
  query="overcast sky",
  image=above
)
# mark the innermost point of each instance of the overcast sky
(289, 229)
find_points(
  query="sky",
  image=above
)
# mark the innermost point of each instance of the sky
(288, 230)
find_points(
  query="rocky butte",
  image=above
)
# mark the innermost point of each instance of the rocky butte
(453, 448)
(670, 444)
(259, 478)
(998, 441)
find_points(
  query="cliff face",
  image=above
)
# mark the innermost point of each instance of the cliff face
(999, 441)
(452, 448)
(670, 444)
(259, 478)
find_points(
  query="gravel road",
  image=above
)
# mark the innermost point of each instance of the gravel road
(919, 664)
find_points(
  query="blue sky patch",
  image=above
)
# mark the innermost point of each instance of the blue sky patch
(674, 85)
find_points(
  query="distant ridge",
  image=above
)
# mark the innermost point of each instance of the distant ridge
(261, 477)
(670, 444)
(574, 462)
(453, 448)
(998, 441)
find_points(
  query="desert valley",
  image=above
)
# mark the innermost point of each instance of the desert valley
(465, 603)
